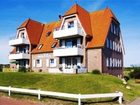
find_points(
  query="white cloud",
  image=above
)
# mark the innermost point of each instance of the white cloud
(4, 50)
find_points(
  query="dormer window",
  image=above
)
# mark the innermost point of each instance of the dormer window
(40, 46)
(70, 24)
(54, 45)
(22, 35)
(48, 33)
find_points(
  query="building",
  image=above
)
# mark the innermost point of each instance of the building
(78, 42)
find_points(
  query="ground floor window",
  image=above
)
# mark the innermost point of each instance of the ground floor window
(38, 63)
(52, 62)
(70, 62)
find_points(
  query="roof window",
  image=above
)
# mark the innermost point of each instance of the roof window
(40, 46)
(48, 33)
(54, 44)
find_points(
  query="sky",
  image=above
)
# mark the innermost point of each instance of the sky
(14, 12)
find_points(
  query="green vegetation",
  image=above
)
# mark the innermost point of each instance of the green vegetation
(82, 83)
(96, 71)
(1, 68)
(135, 73)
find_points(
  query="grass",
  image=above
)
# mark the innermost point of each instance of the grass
(82, 83)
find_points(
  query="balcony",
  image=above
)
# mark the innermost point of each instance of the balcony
(19, 56)
(18, 41)
(69, 32)
(68, 51)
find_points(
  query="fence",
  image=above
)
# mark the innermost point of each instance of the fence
(79, 97)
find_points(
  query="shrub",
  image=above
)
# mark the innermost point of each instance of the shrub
(96, 71)
(1, 68)
(126, 78)
(40, 70)
(22, 69)
(135, 73)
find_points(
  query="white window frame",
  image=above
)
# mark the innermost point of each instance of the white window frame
(110, 60)
(107, 62)
(52, 64)
(40, 63)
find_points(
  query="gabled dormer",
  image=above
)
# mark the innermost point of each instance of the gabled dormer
(75, 22)
(20, 39)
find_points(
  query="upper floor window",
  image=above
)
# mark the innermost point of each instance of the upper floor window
(70, 24)
(22, 35)
(111, 44)
(48, 33)
(69, 43)
(107, 62)
(54, 45)
(107, 43)
(110, 62)
(111, 27)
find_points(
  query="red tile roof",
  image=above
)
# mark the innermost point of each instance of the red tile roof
(46, 40)
(34, 30)
(100, 23)
(83, 15)
(95, 24)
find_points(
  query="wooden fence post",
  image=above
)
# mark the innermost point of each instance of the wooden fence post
(39, 96)
(9, 91)
(79, 99)
(120, 97)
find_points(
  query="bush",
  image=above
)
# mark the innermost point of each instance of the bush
(1, 68)
(135, 73)
(22, 69)
(126, 78)
(96, 71)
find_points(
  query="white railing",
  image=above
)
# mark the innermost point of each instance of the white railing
(18, 41)
(69, 32)
(68, 51)
(58, 94)
(19, 56)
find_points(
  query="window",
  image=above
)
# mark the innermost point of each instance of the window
(54, 44)
(48, 33)
(38, 63)
(22, 35)
(110, 44)
(111, 27)
(113, 45)
(107, 43)
(52, 62)
(113, 62)
(40, 46)
(114, 29)
(120, 63)
(107, 62)
(70, 24)
(110, 62)
(69, 43)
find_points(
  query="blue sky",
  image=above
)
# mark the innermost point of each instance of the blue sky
(14, 12)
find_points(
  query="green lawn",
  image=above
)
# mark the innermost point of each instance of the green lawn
(81, 83)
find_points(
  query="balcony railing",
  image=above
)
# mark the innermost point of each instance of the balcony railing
(68, 51)
(18, 41)
(69, 32)
(19, 56)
